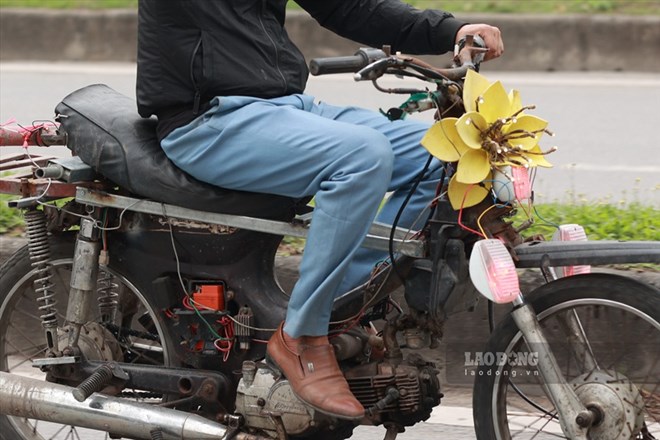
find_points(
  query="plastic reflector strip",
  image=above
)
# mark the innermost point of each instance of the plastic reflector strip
(571, 232)
(522, 187)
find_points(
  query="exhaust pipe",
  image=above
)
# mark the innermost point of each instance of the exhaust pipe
(35, 399)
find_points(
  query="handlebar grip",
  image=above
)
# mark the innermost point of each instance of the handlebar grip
(346, 64)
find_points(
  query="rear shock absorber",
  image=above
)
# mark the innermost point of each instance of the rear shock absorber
(39, 250)
(107, 290)
(84, 274)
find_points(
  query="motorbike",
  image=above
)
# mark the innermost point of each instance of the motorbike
(141, 305)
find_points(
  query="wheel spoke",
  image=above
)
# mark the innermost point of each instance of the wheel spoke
(604, 331)
(21, 330)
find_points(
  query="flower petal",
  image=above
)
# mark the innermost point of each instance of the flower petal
(473, 167)
(469, 127)
(466, 195)
(516, 101)
(442, 141)
(529, 124)
(475, 85)
(496, 104)
(536, 158)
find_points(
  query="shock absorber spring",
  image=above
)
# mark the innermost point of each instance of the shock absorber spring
(39, 250)
(107, 296)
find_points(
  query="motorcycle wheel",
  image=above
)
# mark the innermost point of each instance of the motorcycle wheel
(621, 320)
(22, 338)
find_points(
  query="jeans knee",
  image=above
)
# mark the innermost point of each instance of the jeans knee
(375, 154)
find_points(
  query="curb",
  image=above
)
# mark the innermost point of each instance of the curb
(533, 42)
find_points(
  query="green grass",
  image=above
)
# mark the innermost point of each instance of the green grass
(69, 4)
(545, 6)
(600, 221)
(456, 6)
(11, 220)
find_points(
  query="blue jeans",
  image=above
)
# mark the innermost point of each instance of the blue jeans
(348, 158)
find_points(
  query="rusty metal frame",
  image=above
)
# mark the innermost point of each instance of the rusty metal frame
(377, 238)
(21, 181)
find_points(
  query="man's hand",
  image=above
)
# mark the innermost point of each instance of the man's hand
(491, 35)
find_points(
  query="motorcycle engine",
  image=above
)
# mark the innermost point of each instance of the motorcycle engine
(402, 393)
(266, 402)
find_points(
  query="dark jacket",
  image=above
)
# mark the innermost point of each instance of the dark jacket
(192, 50)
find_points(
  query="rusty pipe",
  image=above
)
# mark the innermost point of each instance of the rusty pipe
(26, 397)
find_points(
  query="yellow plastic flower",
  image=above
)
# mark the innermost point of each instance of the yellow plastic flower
(493, 132)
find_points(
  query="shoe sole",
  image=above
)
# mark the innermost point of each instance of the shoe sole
(272, 364)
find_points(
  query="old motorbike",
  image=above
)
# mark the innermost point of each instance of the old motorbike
(141, 305)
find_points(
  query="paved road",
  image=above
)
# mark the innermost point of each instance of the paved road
(605, 123)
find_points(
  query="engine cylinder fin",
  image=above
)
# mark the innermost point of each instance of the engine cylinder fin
(369, 390)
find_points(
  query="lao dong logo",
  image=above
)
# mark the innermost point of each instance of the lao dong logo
(520, 359)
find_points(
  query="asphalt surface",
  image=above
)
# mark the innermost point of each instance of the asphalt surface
(605, 125)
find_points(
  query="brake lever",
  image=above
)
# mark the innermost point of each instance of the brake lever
(475, 51)
(375, 70)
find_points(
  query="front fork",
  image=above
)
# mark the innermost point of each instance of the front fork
(574, 418)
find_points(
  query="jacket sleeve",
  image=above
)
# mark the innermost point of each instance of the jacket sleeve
(379, 22)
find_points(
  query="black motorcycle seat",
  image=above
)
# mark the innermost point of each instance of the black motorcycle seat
(104, 129)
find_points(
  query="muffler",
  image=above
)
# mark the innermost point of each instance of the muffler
(36, 399)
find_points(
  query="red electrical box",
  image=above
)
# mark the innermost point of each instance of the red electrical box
(211, 296)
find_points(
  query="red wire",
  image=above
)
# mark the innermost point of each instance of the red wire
(225, 344)
(460, 214)
(186, 303)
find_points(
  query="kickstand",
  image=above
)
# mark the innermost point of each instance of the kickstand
(392, 431)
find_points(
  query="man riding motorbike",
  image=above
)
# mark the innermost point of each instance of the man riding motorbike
(227, 84)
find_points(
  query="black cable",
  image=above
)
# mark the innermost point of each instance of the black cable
(416, 183)
(441, 182)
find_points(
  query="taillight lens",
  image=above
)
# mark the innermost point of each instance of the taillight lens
(493, 272)
(570, 233)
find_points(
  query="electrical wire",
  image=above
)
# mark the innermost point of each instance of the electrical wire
(399, 213)
(183, 285)
(191, 302)
(483, 232)
(460, 214)
(547, 222)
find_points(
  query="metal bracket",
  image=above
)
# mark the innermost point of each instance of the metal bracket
(46, 362)
(378, 237)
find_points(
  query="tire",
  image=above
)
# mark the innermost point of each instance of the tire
(21, 334)
(621, 319)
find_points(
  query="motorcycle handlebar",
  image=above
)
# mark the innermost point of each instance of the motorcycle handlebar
(468, 55)
(43, 135)
(345, 64)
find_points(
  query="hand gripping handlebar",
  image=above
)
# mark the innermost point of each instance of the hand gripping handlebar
(369, 64)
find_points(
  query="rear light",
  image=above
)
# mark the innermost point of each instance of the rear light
(570, 233)
(512, 183)
(522, 187)
(493, 272)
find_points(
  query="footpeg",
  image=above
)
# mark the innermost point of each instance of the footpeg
(98, 380)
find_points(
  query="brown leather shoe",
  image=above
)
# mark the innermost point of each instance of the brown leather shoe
(310, 365)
